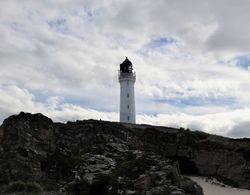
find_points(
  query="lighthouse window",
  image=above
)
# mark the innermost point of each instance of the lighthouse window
(128, 106)
(127, 94)
(128, 118)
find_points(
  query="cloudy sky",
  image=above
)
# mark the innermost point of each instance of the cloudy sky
(192, 60)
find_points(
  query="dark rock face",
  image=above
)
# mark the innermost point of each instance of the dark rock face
(96, 157)
(200, 153)
(26, 141)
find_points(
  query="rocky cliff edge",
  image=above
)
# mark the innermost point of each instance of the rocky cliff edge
(98, 157)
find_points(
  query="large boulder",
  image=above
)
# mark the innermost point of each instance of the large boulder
(26, 141)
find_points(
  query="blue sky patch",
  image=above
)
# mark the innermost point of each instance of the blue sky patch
(157, 45)
(180, 102)
(243, 61)
(161, 42)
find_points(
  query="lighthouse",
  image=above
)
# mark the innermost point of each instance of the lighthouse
(127, 96)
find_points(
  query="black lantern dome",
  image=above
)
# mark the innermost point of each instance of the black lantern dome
(126, 66)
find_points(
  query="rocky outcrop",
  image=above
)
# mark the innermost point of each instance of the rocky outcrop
(199, 153)
(26, 141)
(98, 157)
(89, 157)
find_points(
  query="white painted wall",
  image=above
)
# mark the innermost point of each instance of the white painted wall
(127, 97)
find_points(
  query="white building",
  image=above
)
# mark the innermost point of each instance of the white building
(127, 96)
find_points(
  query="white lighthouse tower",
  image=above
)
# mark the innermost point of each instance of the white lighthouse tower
(127, 95)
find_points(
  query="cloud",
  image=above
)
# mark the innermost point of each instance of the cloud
(240, 130)
(231, 31)
(14, 99)
(231, 123)
(61, 58)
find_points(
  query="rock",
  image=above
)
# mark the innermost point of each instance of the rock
(190, 186)
(143, 182)
(1, 134)
(199, 153)
(177, 193)
(26, 141)
(116, 158)
(159, 190)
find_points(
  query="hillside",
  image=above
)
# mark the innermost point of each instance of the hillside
(99, 157)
